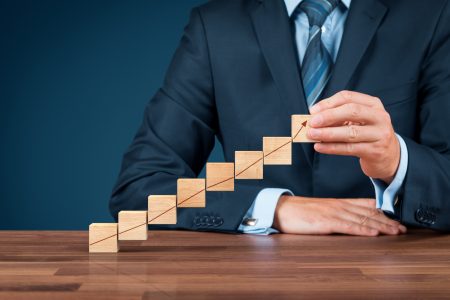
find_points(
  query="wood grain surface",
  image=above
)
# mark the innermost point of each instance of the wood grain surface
(220, 176)
(196, 265)
(162, 209)
(277, 150)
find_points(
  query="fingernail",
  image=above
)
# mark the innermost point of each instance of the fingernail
(318, 147)
(402, 228)
(374, 232)
(314, 133)
(316, 120)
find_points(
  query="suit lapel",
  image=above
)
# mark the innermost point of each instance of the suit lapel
(272, 27)
(361, 25)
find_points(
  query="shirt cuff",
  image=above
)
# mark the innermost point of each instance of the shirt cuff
(386, 195)
(259, 217)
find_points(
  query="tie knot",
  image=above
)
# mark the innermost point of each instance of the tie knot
(317, 10)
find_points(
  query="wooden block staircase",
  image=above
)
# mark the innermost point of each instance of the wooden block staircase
(191, 192)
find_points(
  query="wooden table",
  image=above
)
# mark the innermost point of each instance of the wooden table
(195, 265)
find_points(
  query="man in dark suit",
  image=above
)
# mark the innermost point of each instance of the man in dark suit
(375, 75)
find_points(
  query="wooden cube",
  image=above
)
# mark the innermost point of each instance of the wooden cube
(191, 192)
(103, 238)
(132, 225)
(299, 127)
(220, 176)
(277, 150)
(162, 209)
(248, 164)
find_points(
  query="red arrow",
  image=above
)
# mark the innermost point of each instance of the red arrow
(301, 127)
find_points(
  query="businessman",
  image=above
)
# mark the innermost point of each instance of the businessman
(374, 74)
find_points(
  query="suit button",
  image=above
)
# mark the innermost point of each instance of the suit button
(431, 218)
(205, 221)
(425, 217)
(420, 215)
(217, 221)
(209, 222)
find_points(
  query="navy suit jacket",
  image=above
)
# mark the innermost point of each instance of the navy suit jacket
(236, 75)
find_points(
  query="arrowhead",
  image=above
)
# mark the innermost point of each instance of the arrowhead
(304, 124)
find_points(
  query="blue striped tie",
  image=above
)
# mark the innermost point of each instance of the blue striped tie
(317, 62)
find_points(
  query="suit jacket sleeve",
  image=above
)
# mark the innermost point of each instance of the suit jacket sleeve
(425, 195)
(175, 139)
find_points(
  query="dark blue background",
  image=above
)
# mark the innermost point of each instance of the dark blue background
(74, 79)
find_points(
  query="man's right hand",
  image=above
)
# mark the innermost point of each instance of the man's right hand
(303, 215)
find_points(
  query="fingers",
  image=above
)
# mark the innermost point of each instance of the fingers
(364, 213)
(374, 221)
(364, 226)
(345, 97)
(350, 134)
(372, 213)
(354, 228)
(351, 149)
(352, 112)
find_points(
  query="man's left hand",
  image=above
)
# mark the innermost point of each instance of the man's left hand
(356, 124)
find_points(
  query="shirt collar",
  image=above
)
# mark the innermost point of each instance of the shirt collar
(292, 4)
